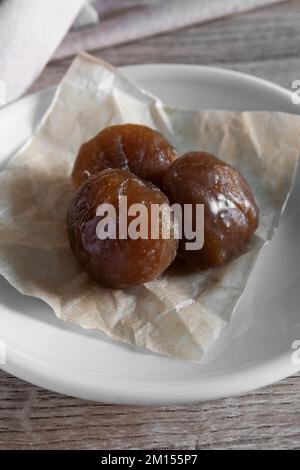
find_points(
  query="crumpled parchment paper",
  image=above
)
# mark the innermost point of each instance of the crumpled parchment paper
(183, 312)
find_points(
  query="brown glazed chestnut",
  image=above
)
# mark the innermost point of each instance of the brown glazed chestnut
(119, 262)
(143, 151)
(230, 212)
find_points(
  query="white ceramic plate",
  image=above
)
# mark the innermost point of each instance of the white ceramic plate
(254, 351)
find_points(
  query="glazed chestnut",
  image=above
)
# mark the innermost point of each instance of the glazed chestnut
(230, 212)
(112, 255)
(143, 151)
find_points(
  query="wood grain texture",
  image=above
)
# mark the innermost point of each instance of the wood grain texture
(265, 43)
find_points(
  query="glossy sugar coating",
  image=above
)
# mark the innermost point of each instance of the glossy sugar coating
(118, 262)
(143, 151)
(230, 212)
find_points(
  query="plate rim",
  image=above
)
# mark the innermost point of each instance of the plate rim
(259, 374)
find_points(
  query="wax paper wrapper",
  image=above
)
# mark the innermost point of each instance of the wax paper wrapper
(183, 312)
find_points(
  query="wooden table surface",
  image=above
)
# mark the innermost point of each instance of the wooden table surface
(265, 43)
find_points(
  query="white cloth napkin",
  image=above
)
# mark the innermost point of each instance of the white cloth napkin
(88, 16)
(32, 30)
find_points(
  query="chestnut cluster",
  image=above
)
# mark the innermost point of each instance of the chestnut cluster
(139, 163)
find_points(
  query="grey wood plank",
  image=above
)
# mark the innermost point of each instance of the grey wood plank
(265, 43)
(34, 418)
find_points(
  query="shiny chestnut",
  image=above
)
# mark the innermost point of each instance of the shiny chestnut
(230, 212)
(140, 149)
(118, 260)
